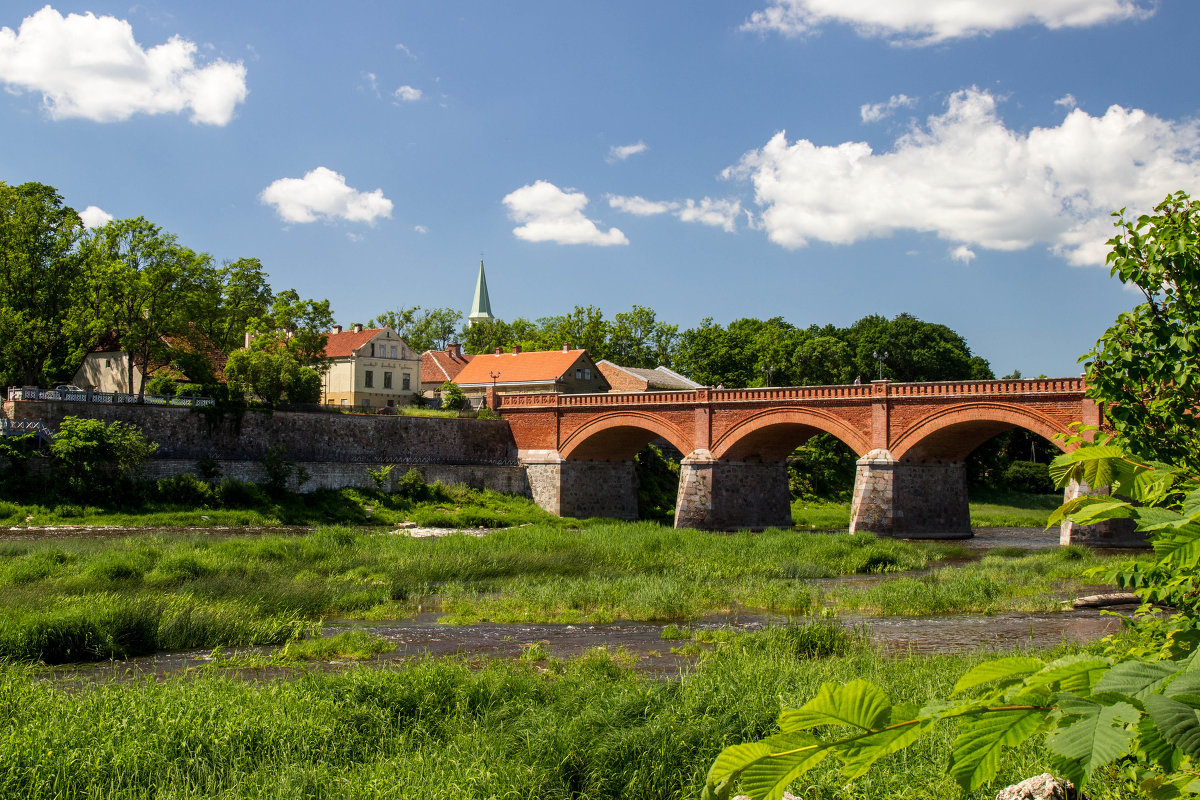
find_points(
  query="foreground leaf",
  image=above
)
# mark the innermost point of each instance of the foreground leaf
(1091, 736)
(765, 768)
(976, 751)
(858, 703)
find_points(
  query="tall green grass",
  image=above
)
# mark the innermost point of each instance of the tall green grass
(592, 728)
(82, 599)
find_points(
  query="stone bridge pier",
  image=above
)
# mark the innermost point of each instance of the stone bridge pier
(914, 500)
(717, 494)
(578, 488)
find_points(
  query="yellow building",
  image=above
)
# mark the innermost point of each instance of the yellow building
(369, 369)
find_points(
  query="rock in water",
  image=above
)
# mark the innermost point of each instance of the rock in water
(1039, 787)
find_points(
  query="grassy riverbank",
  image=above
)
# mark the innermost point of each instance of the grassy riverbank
(80, 599)
(588, 728)
(989, 509)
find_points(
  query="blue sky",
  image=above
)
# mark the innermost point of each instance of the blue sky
(814, 159)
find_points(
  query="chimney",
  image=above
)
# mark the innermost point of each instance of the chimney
(499, 350)
(567, 347)
(358, 327)
(516, 349)
(454, 350)
(337, 328)
(247, 343)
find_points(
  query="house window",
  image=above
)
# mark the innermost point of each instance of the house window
(578, 374)
(344, 401)
(366, 403)
(372, 349)
(369, 379)
(407, 382)
(108, 363)
(387, 380)
(587, 373)
(394, 352)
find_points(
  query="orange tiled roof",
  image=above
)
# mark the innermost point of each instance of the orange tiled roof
(343, 345)
(438, 366)
(531, 367)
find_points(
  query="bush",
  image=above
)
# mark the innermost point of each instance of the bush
(94, 458)
(185, 490)
(452, 396)
(1028, 476)
(411, 485)
(234, 493)
(162, 386)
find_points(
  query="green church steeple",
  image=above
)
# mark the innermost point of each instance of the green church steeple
(481, 306)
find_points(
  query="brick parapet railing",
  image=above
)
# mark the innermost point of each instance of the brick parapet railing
(784, 393)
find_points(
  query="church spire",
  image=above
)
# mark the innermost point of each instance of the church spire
(481, 306)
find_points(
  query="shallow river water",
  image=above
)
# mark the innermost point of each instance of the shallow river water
(423, 635)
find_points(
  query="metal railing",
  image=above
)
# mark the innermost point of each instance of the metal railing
(107, 398)
(21, 427)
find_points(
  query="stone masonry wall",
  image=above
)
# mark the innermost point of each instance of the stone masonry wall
(722, 495)
(185, 434)
(585, 488)
(910, 499)
(335, 449)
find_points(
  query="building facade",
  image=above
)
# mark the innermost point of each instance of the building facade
(566, 371)
(369, 369)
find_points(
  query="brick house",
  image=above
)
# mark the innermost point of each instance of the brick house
(369, 368)
(106, 367)
(439, 366)
(566, 371)
(636, 379)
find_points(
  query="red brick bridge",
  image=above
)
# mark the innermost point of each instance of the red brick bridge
(912, 440)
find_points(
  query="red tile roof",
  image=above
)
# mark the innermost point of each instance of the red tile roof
(343, 345)
(531, 367)
(439, 366)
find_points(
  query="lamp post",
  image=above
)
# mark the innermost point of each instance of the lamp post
(879, 359)
(494, 376)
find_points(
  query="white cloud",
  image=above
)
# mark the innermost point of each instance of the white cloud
(969, 179)
(408, 94)
(923, 22)
(715, 213)
(1067, 101)
(620, 153)
(420, 229)
(640, 206)
(962, 254)
(354, 237)
(874, 112)
(95, 217)
(92, 67)
(323, 193)
(550, 214)
(400, 46)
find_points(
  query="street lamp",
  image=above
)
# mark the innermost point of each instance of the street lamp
(879, 359)
(494, 376)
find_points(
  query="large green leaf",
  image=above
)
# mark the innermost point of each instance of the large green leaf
(1075, 673)
(1178, 723)
(1099, 508)
(860, 754)
(1094, 465)
(763, 768)
(1179, 547)
(1153, 519)
(1135, 678)
(858, 703)
(976, 750)
(1002, 670)
(1090, 735)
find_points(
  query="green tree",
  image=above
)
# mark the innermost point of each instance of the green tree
(422, 329)
(486, 336)
(638, 339)
(91, 457)
(916, 351)
(141, 286)
(1146, 366)
(44, 331)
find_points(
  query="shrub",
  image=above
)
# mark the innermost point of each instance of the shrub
(411, 485)
(94, 458)
(234, 493)
(1028, 476)
(452, 396)
(184, 489)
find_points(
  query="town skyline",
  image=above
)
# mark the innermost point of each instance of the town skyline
(756, 159)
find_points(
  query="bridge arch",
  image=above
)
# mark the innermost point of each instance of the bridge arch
(951, 434)
(618, 436)
(773, 434)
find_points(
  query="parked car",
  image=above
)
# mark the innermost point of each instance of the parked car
(64, 389)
